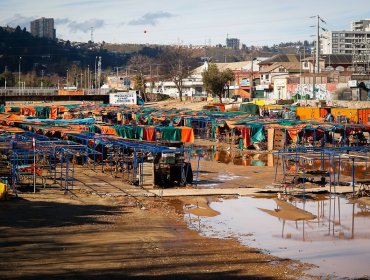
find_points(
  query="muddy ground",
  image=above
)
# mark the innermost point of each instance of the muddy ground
(87, 234)
(49, 235)
(107, 229)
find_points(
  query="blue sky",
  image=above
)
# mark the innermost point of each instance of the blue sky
(186, 22)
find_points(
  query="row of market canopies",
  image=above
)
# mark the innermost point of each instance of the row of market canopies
(183, 125)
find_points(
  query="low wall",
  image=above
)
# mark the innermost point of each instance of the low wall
(352, 104)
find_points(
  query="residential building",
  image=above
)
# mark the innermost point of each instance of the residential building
(191, 87)
(43, 28)
(345, 42)
(119, 83)
(244, 71)
(290, 76)
(361, 25)
(328, 62)
(281, 67)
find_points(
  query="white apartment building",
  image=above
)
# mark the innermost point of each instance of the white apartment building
(346, 42)
(361, 25)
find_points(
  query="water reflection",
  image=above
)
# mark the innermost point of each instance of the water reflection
(335, 235)
(243, 158)
(229, 156)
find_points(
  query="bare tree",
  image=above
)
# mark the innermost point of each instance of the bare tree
(141, 65)
(177, 62)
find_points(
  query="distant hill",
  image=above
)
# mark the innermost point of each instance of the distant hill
(54, 57)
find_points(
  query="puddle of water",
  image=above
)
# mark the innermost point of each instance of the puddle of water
(336, 239)
(362, 169)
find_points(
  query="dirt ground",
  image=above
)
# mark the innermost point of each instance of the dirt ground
(49, 235)
(175, 103)
(215, 174)
(87, 234)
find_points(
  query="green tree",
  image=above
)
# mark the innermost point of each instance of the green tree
(215, 80)
(139, 84)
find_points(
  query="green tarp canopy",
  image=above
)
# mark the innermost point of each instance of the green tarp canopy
(171, 133)
(42, 111)
(129, 132)
(15, 109)
(257, 134)
(259, 93)
(249, 108)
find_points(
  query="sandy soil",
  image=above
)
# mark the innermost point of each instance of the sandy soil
(49, 235)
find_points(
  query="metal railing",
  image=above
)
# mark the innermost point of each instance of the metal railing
(15, 91)
(34, 91)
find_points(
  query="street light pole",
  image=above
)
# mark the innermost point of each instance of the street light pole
(251, 82)
(19, 77)
(6, 70)
(117, 79)
(67, 78)
(95, 73)
(42, 78)
(88, 77)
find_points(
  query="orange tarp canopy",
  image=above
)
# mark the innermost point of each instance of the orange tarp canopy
(187, 134)
(107, 129)
(149, 133)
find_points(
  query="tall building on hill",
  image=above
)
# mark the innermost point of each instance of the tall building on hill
(43, 27)
(233, 43)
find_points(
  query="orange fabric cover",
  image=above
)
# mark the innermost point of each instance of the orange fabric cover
(53, 112)
(246, 136)
(149, 133)
(187, 134)
(107, 129)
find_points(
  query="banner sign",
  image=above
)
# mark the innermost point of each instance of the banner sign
(123, 98)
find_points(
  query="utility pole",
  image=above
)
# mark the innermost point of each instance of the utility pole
(251, 81)
(317, 55)
(318, 45)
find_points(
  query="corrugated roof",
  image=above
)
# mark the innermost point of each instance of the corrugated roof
(290, 66)
(222, 66)
(281, 58)
(333, 58)
(338, 58)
